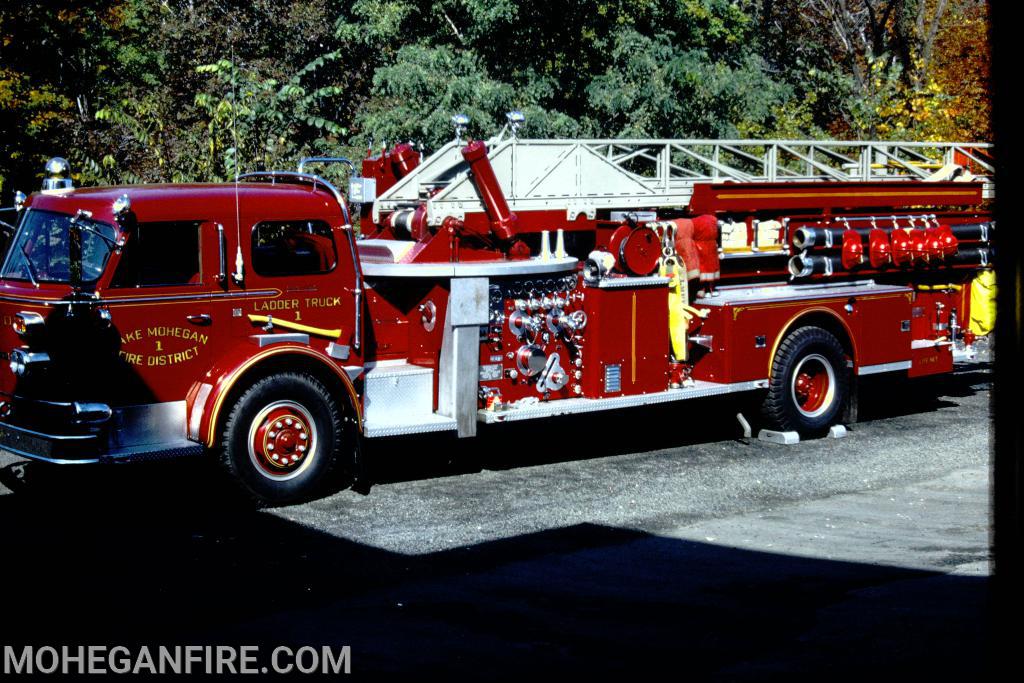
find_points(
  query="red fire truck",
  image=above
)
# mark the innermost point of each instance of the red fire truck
(493, 281)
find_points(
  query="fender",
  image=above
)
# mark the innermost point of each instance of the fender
(796, 318)
(205, 399)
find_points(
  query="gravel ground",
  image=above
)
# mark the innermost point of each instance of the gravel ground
(616, 542)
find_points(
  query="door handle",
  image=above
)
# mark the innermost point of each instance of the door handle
(199, 318)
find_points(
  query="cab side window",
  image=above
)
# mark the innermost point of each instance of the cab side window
(160, 254)
(293, 248)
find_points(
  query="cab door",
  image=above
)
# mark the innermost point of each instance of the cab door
(309, 263)
(162, 300)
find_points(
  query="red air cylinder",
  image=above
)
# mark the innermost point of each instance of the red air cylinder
(879, 249)
(686, 248)
(853, 249)
(705, 239)
(503, 221)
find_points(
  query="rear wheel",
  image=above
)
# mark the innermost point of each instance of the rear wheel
(284, 438)
(809, 384)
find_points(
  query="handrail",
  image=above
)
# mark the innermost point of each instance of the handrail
(326, 160)
(301, 177)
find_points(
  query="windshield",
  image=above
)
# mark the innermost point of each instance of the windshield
(40, 251)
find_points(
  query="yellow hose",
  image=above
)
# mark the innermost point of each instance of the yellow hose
(939, 288)
(678, 317)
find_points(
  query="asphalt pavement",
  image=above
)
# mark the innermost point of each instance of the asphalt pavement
(614, 543)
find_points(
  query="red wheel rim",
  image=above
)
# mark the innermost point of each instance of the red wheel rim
(813, 385)
(282, 440)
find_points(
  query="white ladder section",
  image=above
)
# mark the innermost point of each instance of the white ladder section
(583, 176)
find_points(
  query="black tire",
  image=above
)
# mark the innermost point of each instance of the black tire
(314, 436)
(809, 384)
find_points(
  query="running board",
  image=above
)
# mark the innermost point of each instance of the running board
(530, 410)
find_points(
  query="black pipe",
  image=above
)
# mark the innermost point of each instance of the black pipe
(807, 265)
(809, 237)
(972, 256)
(974, 232)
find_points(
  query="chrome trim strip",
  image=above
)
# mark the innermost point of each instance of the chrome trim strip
(29, 300)
(248, 294)
(929, 343)
(884, 367)
(753, 295)
(867, 282)
(222, 246)
(469, 268)
(192, 297)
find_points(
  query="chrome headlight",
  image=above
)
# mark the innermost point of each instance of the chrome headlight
(27, 322)
(23, 360)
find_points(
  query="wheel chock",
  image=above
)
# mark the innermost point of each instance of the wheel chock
(781, 438)
(837, 432)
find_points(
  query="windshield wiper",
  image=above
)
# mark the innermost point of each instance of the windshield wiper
(31, 268)
(111, 243)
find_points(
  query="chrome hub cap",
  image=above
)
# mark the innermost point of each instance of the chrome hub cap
(282, 440)
(814, 385)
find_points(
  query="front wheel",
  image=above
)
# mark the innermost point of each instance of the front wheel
(284, 438)
(809, 384)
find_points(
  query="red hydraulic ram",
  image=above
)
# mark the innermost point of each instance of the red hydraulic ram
(503, 221)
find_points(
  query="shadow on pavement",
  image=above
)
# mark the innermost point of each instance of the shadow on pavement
(888, 396)
(151, 554)
(170, 565)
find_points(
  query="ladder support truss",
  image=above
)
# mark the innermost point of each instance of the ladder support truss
(583, 176)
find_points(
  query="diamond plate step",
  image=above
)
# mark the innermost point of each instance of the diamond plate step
(399, 399)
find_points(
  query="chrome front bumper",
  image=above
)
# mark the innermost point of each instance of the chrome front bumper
(49, 447)
(143, 432)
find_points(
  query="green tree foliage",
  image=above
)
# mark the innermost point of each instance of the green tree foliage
(161, 90)
(53, 60)
(576, 67)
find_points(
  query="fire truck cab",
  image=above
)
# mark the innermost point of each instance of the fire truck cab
(135, 318)
(491, 282)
